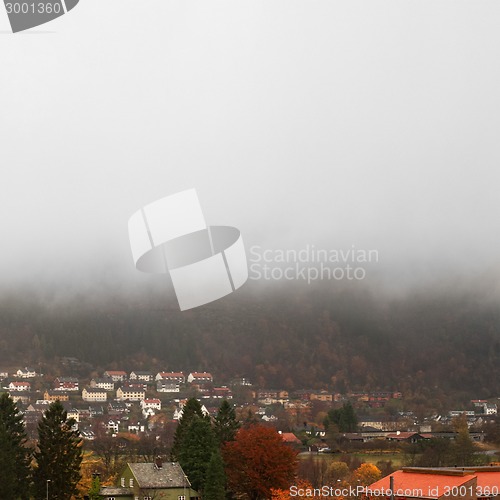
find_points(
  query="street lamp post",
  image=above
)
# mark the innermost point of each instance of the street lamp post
(48, 481)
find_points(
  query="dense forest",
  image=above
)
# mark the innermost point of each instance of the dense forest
(440, 345)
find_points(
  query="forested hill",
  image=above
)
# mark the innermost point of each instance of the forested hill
(443, 346)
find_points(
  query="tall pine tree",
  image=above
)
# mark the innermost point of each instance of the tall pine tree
(225, 424)
(191, 409)
(215, 481)
(344, 418)
(198, 445)
(59, 455)
(14, 456)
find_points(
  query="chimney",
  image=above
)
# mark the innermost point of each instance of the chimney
(158, 463)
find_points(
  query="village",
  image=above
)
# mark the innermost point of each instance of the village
(138, 401)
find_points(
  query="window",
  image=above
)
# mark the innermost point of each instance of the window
(131, 482)
(111, 498)
(181, 497)
(122, 482)
(148, 498)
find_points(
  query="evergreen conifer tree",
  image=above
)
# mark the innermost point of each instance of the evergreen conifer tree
(215, 481)
(59, 455)
(14, 456)
(198, 445)
(344, 418)
(95, 487)
(225, 424)
(191, 409)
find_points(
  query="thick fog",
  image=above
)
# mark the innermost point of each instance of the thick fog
(333, 124)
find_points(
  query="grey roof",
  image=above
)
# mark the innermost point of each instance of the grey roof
(114, 491)
(170, 475)
(116, 404)
(135, 388)
(73, 380)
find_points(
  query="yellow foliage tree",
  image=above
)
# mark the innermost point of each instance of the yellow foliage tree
(91, 463)
(337, 471)
(365, 475)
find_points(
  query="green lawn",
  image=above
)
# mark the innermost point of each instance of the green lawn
(373, 458)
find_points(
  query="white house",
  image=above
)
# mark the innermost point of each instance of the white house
(103, 383)
(148, 412)
(490, 409)
(136, 427)
(200, 377)
(116, 375)
(112, 426)
(171, 377)
(141, 376)
(26, 373)
(459, 413)
(179, 411)
(73, 413)
(154, 404)
(270, 418)
(19, 386)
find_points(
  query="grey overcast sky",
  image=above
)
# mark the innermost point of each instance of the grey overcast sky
(328, 123)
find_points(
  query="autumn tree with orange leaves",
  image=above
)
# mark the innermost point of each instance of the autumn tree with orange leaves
(365, 475)
(302, 485)
(258, 461)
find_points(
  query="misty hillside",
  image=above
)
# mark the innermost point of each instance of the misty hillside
(443, 346)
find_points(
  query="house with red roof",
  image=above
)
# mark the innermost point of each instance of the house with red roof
(19, 386)
(153, 404)
(291, 439)
(171, 377)
(468, 483)
(222, 393)
(409, 437)
(66, 384)
(200, 377)
(420, 483)
(488, 481)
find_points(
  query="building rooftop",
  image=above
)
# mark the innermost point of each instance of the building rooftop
(170, 475)
(422, 483)
(114, 491)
